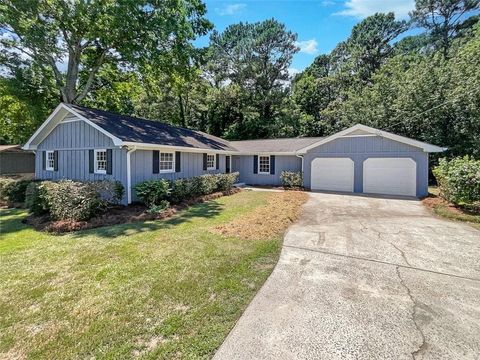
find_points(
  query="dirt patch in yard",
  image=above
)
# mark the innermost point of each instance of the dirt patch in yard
(281, 210)
(117, 215)
(447, 210)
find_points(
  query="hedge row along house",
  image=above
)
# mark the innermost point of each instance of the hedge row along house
(85, 144)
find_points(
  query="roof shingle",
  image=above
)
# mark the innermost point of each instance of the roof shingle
(132, 129)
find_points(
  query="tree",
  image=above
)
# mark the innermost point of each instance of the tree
(255, 57)
(84, 35)
(369, 45)
(442, 18)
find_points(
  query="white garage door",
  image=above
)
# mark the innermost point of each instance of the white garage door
(332, 174)
(390, 176)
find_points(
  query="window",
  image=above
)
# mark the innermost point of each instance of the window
(50, 161)
(211, 162)
(101, 161)
(264, 164)
(167, 162)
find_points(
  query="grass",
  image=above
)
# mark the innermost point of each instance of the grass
(150, 290)
(446, 210)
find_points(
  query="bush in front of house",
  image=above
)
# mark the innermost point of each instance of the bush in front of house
(13, 191)
(292, 178)
(154, 192)
(225, 181)
(35, 199)
(5, 185)
(459, 180)
(72, 200)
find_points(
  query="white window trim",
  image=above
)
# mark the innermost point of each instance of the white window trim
(258, 165)
(210, 168)
(166, 171)
(95, 163)
(49, 168)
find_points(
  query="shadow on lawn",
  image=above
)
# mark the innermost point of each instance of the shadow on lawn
(11, 221)
(205, 210)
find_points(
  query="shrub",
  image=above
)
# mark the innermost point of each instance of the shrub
(203, 185)
(73, 200)
(35, 198)
(5, 185)
(110, 192)
(158, 209)
(459, 180)
(13, 191)
(180, 190)
(152, 192)
(225, 181)
(291, 178)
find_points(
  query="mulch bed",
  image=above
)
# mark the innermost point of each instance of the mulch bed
(117, 215)
(433, 201)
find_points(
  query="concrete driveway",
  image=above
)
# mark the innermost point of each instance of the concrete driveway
(366, 278)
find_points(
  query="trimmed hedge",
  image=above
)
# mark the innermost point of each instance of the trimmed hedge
(292, 178)
(72, 200)
(459, 180)
(155, 192)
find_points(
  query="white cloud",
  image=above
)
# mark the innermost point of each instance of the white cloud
(328, 3)
(363, 8)
(308, 46)
(293, 71)
(230, 9)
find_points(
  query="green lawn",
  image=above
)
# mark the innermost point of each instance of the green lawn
(170, 289)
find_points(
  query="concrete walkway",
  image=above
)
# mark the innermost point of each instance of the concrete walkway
(366, 278)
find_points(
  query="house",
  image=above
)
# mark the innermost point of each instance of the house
(88, 144)
(16, 161)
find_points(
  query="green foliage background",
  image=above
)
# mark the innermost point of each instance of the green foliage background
(425, 86)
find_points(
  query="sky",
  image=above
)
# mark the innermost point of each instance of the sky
(320, 24)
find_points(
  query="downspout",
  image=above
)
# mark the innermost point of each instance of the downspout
(129, 175)
(301, 157)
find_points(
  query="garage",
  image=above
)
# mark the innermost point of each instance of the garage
(332, 174)
(390, 176)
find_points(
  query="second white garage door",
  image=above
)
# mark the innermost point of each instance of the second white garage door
(332, 174)
(390, 176)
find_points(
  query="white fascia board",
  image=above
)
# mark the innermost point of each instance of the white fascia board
(53, 117)
(266, 153)
(402, 139)
(28, 145)
(146, 146)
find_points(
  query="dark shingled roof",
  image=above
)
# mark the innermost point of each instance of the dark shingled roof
(131, 129)
(274, 145)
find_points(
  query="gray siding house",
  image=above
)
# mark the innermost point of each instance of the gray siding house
(87, 144)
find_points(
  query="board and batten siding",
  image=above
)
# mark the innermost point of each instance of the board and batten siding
(244, 165)
(361, 148)
(191, 164)
(73, 140)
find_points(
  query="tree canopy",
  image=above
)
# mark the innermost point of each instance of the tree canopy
(138, 58)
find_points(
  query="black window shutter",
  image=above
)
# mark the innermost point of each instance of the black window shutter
(109, 162)
(155, 161)
(255, 164)
(44, 160)
(91, 161)
(217, 160)
(272, 164)
(178, 159)
(227, 164)
(204, 161)
(55, 160)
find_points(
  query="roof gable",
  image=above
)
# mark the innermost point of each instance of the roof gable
(362, 130)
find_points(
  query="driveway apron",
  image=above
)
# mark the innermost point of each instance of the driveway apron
(366, 278)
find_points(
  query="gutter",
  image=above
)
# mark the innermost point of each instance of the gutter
(301, 157)
(129, 174)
